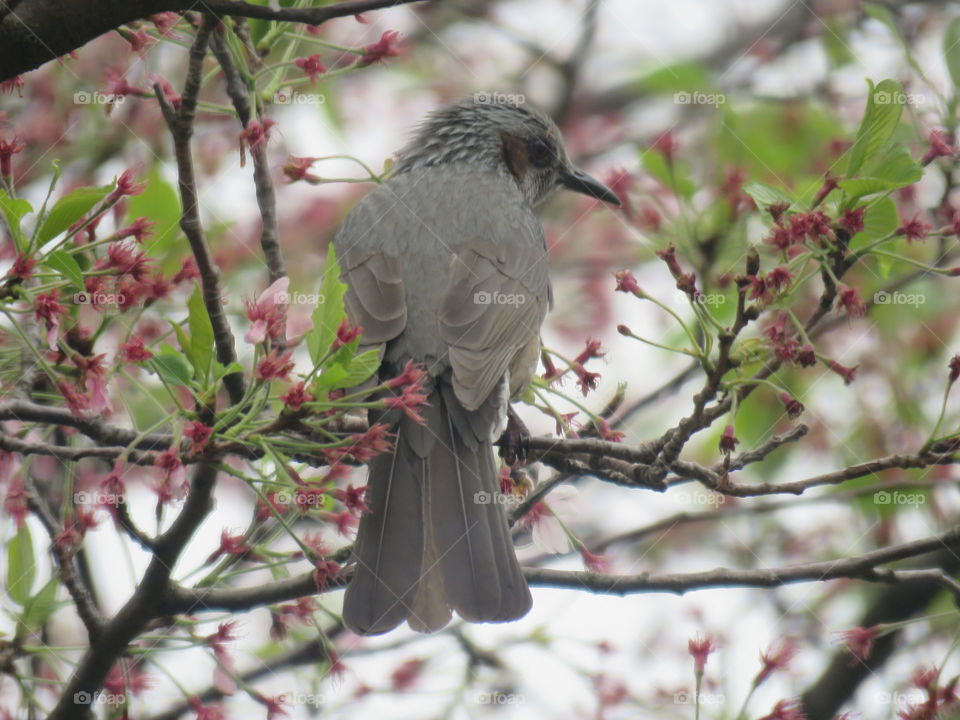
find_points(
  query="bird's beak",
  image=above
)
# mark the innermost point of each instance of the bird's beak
(579, 181)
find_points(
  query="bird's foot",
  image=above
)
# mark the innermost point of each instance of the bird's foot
(515, 441)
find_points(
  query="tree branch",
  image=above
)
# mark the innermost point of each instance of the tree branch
(180, 122)
(34, 32)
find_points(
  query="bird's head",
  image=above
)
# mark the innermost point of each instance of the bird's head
(504, 136)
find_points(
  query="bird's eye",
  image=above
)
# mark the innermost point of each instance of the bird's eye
(541, 152)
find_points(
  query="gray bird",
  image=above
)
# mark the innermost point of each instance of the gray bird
(446, 265)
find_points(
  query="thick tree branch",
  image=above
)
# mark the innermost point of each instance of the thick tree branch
(34, 32)
(144, 605)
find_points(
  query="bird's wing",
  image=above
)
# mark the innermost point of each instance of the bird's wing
(375, 289)
(496, 299)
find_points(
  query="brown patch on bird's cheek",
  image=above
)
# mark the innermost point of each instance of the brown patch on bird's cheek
(516, 157)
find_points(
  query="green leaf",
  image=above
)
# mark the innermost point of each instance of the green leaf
(182, 338)
(21, 565)
(70, 208)
(201, 335)
(161, 204)
(765, 195)
(173, 366)
(220, 370)
(888, 171)
(951, 50)
(66, 265)
(329, 312)
(880, 119)
(356, 371)
(879, 220)
(13, 210)
(40, 606)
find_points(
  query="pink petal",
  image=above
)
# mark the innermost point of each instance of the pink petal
(256, 333)
(297, 326)
(275, 294)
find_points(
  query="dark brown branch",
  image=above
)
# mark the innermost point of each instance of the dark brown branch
(144, 605)
(38, 31)
(180, 122)
(863, 567)
(715, 480)
(266, 197)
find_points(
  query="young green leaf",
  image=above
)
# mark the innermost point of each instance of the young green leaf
(765, 196)
(21, 565)
(173, 366)
(201, 335)
(880, 119)
(329, 311)
(355, 371)
(13, 210)
(40, 606)
(951, 50)
(160, 202)
(70, 208)
(67, 266)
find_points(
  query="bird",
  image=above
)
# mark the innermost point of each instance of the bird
(445, 264)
